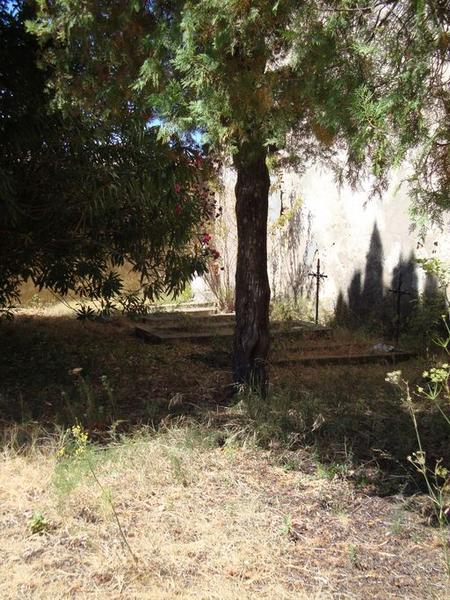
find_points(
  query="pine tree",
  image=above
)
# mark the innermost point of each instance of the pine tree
(304, 78)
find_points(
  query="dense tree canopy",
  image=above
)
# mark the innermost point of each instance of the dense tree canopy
(311, 78)
(369, 75)
(82, 194)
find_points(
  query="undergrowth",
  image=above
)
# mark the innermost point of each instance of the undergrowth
(434, 471)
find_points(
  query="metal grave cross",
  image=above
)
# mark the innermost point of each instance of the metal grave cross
(399, 293)
(318, 276)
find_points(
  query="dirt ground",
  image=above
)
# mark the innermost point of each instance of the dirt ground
(312, 498)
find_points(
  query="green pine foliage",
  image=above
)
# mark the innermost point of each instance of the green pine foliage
(312, 78)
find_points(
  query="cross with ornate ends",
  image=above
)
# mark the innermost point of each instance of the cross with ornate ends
(318, 276)
(399, 293)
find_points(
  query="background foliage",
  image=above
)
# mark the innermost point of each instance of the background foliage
(82, 194)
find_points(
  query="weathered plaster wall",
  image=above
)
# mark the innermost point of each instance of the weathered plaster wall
(361, 241)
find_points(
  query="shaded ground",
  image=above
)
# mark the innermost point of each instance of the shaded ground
(307, 495)
(38, 381)
(58, 370)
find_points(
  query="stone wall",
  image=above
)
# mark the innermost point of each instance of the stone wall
(363, 242)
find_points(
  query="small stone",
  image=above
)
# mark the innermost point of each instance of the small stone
(383, 348)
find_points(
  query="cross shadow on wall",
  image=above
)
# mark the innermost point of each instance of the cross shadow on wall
(369, 302)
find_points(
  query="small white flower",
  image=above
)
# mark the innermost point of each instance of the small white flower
(393, 377)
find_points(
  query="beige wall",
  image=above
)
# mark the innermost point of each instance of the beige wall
(348, 230)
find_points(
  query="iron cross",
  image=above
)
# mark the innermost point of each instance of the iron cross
(399, 293)
(318, 276)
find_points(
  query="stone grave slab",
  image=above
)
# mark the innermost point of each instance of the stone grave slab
(200, 325)
(195, 328)
(349, 359)
(188, 321)
(177, 312)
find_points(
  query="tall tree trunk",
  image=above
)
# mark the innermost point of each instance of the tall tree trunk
(251, 340)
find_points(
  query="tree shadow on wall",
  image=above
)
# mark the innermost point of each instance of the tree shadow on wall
(369, 303)
(405, 273)
(425, 318)
(297, 260)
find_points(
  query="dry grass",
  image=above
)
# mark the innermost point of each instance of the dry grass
(210, 523)
(30, 295)
(310, 499)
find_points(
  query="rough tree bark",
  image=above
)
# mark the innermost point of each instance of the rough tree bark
(251, 339)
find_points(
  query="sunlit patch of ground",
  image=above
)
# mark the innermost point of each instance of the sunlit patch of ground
(204, 522)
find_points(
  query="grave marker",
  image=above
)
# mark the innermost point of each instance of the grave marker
(399, 293)
(318, 276)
